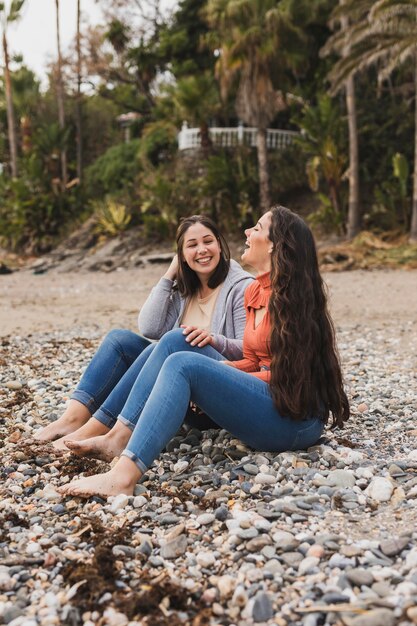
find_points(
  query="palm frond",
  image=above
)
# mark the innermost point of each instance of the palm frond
(385, 35)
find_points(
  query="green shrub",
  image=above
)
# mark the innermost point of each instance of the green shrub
(116, 170)
(31, 215)
(158, 143)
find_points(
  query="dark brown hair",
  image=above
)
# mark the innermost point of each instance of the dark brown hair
(306, 376)
(187, 280)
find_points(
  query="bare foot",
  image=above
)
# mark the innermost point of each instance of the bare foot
(75, 416)
(105, 447)
(92, 428)
(122, 478)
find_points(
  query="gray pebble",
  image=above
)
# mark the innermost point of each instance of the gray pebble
(360, 577)
(262, 608)
(394, 546)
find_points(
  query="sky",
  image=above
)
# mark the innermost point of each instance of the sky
(34, 36)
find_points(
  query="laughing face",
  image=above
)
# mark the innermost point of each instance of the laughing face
(201, 251)
(258, 245)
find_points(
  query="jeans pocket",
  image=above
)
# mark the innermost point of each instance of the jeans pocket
(306, 437)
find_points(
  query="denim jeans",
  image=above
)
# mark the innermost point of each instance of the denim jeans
(110, 375)
(174, 374)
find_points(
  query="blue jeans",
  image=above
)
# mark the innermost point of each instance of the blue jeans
(174, 374)
(109, 377)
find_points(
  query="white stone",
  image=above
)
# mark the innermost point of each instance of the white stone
(205, 519)
(274, 567)
(265, 479)
(308, 564)
(411, 559)
(119, 502)
(364, 472)
(114, 618)
(351, 456)
(139, 501)
(33, 547)
(380, 489)
(51, 600)
(180, 467)
(240, 597)
(284, 539)
(7, 583)
(50, 494)
(226, 585)
(406, 588)
(262, 524)
(341, 478)
(205, 559)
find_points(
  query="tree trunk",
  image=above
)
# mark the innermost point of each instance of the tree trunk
(78, 108)
(264, 193)
(11, 128)
(354, 210)
(205, 140)
(60, 98)
(413, 229)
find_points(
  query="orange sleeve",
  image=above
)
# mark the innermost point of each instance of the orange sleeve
(245, 364)
(264, 375)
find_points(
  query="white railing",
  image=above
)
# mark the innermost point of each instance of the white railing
(236, 136)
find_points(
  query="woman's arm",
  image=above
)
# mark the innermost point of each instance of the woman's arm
(162, 307)
(232, 346)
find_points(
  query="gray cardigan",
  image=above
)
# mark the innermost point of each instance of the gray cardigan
(164, 308)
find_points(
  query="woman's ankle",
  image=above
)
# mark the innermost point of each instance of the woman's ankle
(126, 473)
(76, 411)
(119, 433)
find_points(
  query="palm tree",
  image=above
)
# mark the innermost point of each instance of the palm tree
(8, 15)
(354, 209)
(196, 99)
(60, 97)
(257, 44)
(78, 110)
(386, 35)
(321, 140)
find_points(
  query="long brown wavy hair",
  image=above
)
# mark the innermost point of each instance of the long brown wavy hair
(306, 376)
(188, 282)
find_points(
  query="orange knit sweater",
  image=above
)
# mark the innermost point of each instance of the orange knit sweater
(256, 355)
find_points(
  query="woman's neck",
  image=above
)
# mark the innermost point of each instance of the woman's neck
(262, 269)
(204, 290)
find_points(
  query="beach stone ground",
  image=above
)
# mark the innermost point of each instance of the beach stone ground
(216, 533)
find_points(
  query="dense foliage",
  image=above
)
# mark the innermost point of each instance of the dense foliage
(278, 64)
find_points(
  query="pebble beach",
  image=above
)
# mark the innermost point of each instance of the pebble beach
(216, 533)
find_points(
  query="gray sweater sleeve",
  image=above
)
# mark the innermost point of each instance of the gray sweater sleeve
(161, 310)
(232, 345)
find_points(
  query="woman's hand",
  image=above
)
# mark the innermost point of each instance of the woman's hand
(171, 272)
(197, 336)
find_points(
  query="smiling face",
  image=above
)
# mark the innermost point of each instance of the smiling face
(258, 245)
(201, 251)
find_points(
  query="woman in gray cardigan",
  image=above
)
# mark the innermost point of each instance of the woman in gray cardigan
(202, 291)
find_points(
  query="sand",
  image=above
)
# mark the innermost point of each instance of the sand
(32, 303)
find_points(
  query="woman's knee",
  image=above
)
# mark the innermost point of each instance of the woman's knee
(173, 340)
(182, 363)
(121, 336)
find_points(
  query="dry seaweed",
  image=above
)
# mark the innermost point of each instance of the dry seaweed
(156, 599)
(72, 465)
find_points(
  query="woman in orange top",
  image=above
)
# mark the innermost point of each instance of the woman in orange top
(278, 397)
